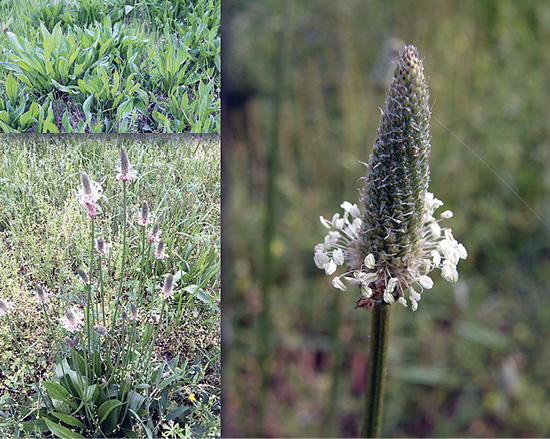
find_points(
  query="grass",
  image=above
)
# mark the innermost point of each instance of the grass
(103, 66)
(42, 242)
(471, 361)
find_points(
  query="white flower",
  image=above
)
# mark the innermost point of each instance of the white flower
(337, 283)
(369, 261)
(426, 282)
(448, 272)
(344, 246)
(338, 256)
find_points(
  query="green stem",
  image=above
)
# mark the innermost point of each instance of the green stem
(374, 398)
(141, 276)
(102, 292)
(89, 323)
(48, 324)
(150, 350)
(123, 262)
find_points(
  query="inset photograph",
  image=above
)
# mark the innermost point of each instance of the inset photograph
(110, 66)
(110, 286)
(386, 219)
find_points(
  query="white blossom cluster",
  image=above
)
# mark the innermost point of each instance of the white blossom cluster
(343, 247)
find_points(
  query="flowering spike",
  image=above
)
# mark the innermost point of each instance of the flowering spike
(144, 217)
(396, 241)
(159, 252)
(154, 234)
(83, 276)
(41, 295)
(167, 289)
(126, 171)
(133, 311)
(5, 306)
(86, 183)
(89, 194)
(100, 330)
(72, 320)
(124, 162)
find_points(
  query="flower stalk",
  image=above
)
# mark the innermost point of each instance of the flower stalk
(390, 247)
(374, 397)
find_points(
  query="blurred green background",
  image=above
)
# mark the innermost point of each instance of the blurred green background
(302, 83)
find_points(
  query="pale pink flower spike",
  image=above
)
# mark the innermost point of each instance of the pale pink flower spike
(154, 234)
(168, 288)
(41, 295)
(144, 218)
(159, 252)
(126, 171)
(73, 320)
(5, 307)
(88, 195)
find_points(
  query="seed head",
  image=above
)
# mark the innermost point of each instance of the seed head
(83, 276)
(100, 330)
(126, 171)
(159, 252)
(5, 306)
(154, 234)
(167, 289)
(124, 315)
(41, 295)
(144, 217)
(396, 241)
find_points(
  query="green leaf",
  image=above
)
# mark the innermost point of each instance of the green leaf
(14, 41)
(48, 45)
(107, 407)
(67, 419)
(176, 413)
(197, 292)
(11, 88)
(56, 391)
(60, 431)
(87, 105)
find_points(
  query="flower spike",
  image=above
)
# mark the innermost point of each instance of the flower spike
(392, 245)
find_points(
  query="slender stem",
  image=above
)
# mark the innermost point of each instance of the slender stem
(47, 320)
(89, 323)
(374, 398)
(123, 259)
(141, 276)
(102, 292)
(150, 351)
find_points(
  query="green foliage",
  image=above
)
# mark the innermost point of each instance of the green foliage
(13, 117)
(161, 51)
